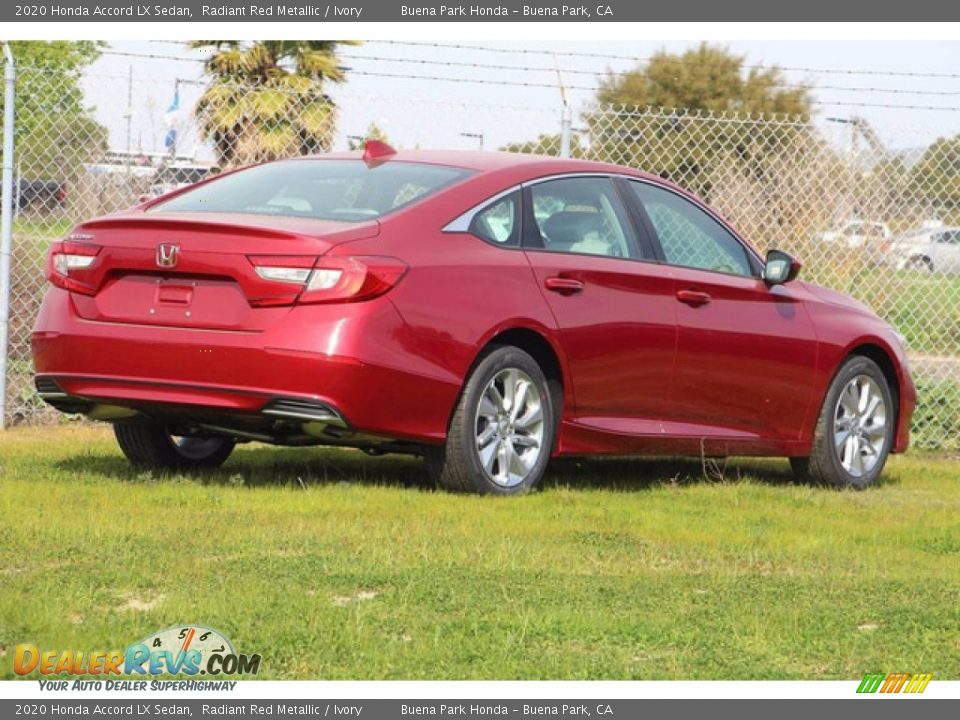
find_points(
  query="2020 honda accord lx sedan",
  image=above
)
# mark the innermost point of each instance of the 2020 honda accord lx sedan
(487, 311)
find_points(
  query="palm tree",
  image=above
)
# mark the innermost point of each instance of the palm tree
(266, 99)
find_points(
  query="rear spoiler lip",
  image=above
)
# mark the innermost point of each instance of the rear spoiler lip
(259, 227)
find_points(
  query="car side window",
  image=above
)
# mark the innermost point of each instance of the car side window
(499, 222)
(580, 215)
(688, 236)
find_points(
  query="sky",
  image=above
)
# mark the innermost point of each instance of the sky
(431, 113)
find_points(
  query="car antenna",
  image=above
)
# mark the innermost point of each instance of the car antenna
(376, 152)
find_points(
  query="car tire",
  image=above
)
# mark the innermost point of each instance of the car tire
(498, 449)
(854, 431)
(921, 263)
(152, 446)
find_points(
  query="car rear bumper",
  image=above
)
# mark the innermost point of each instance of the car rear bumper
(349, 358)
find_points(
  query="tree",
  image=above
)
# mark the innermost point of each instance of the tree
(690, 116)
(545, 144)
(267, 99)
(55, 131)
(374, 132)
(707, 78)
(935, 179)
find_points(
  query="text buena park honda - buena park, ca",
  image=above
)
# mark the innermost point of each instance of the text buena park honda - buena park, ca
(463, 11)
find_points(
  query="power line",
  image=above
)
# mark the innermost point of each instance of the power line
(642, 59)
(151, 56)
(554, 86)
(568, 71)
(517, 83)
(622, 73)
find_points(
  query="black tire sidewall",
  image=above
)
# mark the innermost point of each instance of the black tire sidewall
(496, 361)
(852, 368)
(216, 455)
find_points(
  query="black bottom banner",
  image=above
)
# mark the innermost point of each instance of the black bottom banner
(873, 708)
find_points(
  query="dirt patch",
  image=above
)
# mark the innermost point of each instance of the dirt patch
(362, 596)
(130, 602)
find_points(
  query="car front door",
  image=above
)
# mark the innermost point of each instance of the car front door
(614, 308)
(746, 352)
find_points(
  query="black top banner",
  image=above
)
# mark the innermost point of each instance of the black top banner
(448, 11)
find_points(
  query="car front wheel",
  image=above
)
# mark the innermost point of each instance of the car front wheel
(501, 434)
(854, 432)
(153, 446)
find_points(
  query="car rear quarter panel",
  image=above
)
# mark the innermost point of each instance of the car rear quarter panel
(458, 293)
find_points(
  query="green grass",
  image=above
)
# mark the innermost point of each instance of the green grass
(924, 306)
(335, 565)
(33, 234)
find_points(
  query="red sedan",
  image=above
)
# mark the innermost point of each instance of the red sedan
(486, 311)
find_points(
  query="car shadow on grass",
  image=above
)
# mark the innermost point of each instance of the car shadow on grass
(640, 473)
(259, 466)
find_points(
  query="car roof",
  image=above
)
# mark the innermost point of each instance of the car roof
(488, 161)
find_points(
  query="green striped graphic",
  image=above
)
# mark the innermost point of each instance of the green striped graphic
(871, 682)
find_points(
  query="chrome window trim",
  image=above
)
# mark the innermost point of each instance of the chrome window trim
(462, 222)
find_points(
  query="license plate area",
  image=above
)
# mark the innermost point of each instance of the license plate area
(193, 302)
(175, 293)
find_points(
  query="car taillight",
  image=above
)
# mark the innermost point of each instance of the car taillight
(68, 265)
(330, 279)
(351, 279)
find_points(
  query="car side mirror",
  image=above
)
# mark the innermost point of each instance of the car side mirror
(780, 268)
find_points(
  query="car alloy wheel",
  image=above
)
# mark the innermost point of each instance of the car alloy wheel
(854, 430)
(502, 429)
(509, 427)
(860, 426)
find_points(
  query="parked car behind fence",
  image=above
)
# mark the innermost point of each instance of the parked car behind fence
(932, 249)
(39, 195)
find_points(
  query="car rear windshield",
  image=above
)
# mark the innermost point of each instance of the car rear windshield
(346, 190)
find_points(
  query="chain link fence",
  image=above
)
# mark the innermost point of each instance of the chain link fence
(880, 224)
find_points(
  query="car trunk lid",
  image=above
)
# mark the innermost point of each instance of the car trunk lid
(199, 270)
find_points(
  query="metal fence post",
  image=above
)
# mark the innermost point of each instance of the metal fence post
(566, 120)
(6, 223)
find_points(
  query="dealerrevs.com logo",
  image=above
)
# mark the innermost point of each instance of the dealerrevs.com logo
(182, 649)
(890, 683)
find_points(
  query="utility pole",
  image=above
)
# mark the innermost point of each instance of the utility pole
(566, 119)
(475, 136)
(852, 170)
(129, 115)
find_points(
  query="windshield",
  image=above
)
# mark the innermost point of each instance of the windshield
(347, 190)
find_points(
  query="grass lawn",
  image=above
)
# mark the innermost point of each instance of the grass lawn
(333, 565)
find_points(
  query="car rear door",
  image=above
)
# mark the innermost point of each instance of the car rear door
(614, 308)
(746, 352)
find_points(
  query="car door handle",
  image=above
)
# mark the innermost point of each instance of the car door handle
(693, 298)
(562, 285)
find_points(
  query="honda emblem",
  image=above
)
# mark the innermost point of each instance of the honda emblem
(167, 254)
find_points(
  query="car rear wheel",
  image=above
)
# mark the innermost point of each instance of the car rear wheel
(854, 431)
(154, 446)
(502, 430)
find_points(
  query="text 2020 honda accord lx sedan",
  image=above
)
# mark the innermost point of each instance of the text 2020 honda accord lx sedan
(482, 309)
